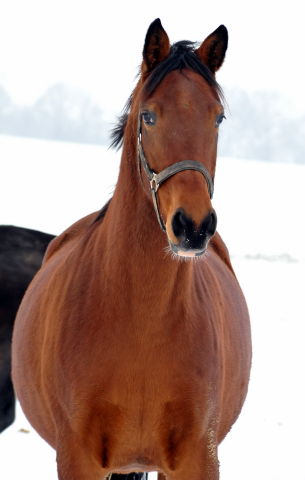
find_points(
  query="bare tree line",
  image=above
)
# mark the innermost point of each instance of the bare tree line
(62, 113)
(258, 126)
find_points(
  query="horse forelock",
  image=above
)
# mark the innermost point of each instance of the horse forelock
(181, 56)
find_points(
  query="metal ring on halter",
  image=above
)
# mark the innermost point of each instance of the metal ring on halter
(154, 180)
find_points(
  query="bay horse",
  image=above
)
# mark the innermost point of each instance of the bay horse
(21, 255)
(132, 345)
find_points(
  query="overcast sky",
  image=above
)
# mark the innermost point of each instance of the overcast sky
(97, 44)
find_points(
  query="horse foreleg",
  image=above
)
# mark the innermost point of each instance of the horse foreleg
(199, 462)
(75, 462)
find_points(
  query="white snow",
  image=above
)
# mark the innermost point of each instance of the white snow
(48, 185)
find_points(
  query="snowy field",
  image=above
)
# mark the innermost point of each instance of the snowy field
(48, 185)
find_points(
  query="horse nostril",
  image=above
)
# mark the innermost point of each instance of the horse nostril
(213, 224)
(179, 224)
(208, 226)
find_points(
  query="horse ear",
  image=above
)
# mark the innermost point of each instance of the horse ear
(156, 47)
(213, 50)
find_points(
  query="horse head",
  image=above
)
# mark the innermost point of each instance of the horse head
(175, 114)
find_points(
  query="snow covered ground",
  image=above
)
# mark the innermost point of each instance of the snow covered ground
(48, 185)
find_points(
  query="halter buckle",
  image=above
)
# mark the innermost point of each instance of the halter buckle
(154, 181)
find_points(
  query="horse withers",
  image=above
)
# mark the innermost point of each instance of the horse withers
(132, 346)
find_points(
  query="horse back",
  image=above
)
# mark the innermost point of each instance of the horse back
(67, 240)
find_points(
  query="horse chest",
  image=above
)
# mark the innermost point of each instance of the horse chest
(148, 375)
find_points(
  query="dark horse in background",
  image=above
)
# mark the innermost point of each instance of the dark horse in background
(21, 254)
(132, 345)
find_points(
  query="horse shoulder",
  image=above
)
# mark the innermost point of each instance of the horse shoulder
(219, 247)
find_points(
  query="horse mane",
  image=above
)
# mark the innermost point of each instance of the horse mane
(181, 55)
(102, 212)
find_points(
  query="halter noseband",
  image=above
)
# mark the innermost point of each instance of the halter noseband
(155, 179)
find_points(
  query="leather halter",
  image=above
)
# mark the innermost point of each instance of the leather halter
(156, 179)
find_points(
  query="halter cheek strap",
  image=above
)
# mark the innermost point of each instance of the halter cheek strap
(156, 179)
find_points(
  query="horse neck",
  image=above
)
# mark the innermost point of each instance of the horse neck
(137, 245)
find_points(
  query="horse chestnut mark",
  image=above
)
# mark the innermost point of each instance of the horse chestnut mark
(126, 359)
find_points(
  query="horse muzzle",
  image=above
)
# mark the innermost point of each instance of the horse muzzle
(191, 241)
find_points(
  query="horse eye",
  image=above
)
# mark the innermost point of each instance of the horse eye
(148, 120)
(219, 120)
